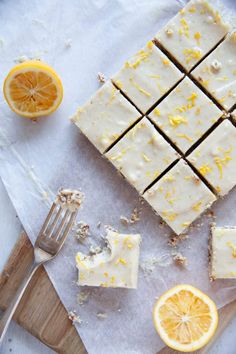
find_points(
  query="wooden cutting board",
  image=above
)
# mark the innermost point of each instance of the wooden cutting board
(41, 312)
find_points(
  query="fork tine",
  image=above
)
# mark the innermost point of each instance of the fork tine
(53, 224)
(48, 218)
(68, 226)
(62, 224)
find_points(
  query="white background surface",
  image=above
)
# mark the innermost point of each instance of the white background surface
(17, 340)
(92, 71)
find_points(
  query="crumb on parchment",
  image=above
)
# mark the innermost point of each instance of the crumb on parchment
(101, 315)
(176, 239)
(81, 230)
(74, 317)
(69, 198)
(101, 78)
(83, 296)
(135, 217)
(179, 259)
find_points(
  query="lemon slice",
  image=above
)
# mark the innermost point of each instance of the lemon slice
(33, 89)
(185, 318)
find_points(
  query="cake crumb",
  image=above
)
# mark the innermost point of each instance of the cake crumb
(179, 259)
(95, 250)
(82, 230)
(101, 77)
(101, 315)
(69, 198)
(74, 317)
(99, 224)
(83, 296)
(135, 217)
(21, 59)
(175, 240)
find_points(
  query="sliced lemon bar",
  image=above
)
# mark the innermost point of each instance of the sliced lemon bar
(185, 114)
(179, 197)
(147, 76)
(192, 33)
(215, 158)
(142, 155)
(105, 116)
(116, 266)
(217, 73)
(223, 252)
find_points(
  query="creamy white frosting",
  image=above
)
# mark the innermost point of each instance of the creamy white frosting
(179, 197)
(215, 158)
(185, 114)
(105, 116)
(147, 76)
(142, 155)
(217, 73)
(223, 252)
(192, 33)
(116, 266)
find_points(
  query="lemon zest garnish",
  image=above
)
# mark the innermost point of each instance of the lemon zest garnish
(140, 88)
(184, 28)
(146, 158)
(165, 61)
(127, 242)
(185, 224)
(196, 207)
(233, 247)
(197, 36)
(157, 112)
(119, 84)
(192, 54)
(113, 279)
(221, 162)
(204, 169)
(168, 178)
(192, 9)
(106, 274)
(192, 99)
(175, 121)
(150, 44)
(121, 260)
(169, 215)
(184, 136)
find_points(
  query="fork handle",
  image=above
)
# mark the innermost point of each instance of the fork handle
(8, 314)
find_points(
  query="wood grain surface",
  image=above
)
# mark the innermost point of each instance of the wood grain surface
(42, 314)
(40, 311)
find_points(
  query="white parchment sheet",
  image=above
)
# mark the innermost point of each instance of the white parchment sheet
(79, 39)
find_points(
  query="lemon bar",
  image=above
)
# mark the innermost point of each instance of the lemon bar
(217, 73)
(179, 197)
(147, 76)
(215, 158)
(142, 155)
(115, 266)
(105, 116)
(185, 114)
(192, 33)
(223, 253)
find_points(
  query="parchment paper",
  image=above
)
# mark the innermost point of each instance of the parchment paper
(79, 39)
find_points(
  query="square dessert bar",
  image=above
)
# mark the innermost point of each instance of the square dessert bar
(179, 197)
(217, 73)
(115, 266)
(185, 114)
(142, 155)
(192, 33)
(222, 253)
(147, 76)
(215, 158)
(105, 116)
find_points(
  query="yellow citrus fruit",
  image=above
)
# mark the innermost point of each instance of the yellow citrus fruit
(33, 89)
(185, 318)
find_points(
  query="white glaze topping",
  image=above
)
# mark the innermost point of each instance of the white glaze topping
(116, 266)
(217, 73)
(223, 252)
(105, 116)
(142, 154)
(147, 76)
(215, 158)
(185, 114)
(179, 197)
(195, 30)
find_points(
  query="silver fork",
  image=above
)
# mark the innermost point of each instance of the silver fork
(48, 243)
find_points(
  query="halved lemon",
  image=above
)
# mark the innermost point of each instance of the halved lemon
(185, 318)
(33, 89)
